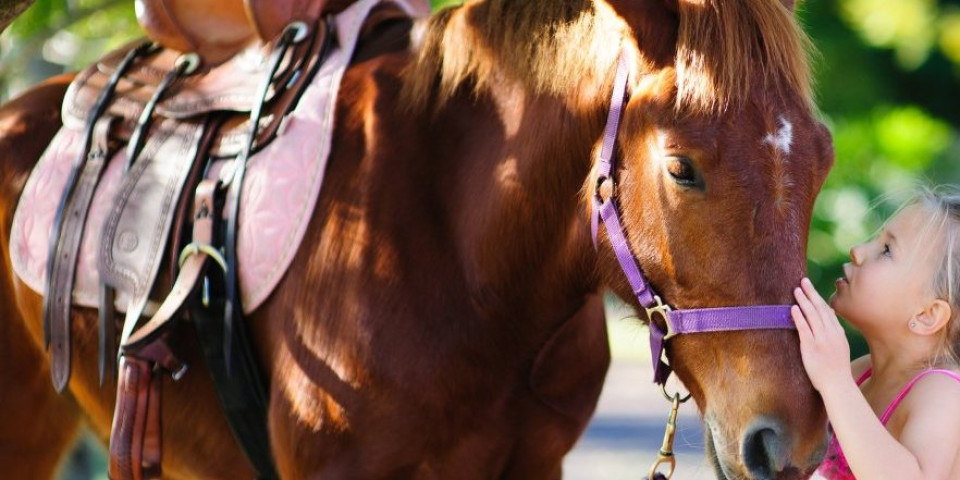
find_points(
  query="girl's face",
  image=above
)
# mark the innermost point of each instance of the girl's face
(890, 277)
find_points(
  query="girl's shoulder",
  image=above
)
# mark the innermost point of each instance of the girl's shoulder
(931, 413)
(938, 383)
(935, 392)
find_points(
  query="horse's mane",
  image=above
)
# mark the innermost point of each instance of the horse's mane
(723, 43)
(564, 47)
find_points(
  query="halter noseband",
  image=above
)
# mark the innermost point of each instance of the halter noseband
(676, 321)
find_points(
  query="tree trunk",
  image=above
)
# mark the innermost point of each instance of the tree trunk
(11, 9)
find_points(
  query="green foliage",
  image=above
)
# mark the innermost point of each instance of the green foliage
(57, 35)
(884, 72)
(438, 4)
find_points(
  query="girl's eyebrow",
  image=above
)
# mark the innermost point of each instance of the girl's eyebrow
(890, 235)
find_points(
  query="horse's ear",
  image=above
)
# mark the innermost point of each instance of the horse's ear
(654, 23)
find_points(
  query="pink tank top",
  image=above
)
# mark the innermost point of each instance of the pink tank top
(834, 466)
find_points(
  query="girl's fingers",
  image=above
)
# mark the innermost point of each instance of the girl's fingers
(802, 328)
(816, 299)
(809, 311)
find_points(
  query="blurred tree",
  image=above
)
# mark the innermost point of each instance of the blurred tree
(54, 36)
(11, 9)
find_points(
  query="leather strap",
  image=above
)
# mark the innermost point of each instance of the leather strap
(136, 434)
(191, 267)
(136, 431)
(64, 266)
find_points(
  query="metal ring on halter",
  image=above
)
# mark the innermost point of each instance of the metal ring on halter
(663, 310)
(211, 251)
(300, 31)
(187, 63)
(670, 398)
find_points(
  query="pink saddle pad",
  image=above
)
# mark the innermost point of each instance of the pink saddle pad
(279, 193)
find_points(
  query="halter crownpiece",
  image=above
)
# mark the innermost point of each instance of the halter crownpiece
(675, 321)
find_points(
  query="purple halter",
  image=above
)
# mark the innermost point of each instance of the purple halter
(676, 321)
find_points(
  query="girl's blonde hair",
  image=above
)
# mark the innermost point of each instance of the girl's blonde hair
(943, 207)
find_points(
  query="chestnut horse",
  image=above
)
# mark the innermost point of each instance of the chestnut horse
(443, 317)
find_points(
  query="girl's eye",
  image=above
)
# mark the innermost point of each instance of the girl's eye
(886, 250)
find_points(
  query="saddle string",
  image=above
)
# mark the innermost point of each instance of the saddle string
(293, 34)
(184, 66)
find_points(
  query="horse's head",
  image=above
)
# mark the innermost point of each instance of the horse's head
(720, 158)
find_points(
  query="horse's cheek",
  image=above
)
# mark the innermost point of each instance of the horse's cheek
(570, 368)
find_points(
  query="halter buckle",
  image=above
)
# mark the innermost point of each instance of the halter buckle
(663, 310)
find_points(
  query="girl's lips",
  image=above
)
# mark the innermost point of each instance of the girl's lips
(842, 281)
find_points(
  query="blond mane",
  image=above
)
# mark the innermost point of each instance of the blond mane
(569, 47)
(724, 45)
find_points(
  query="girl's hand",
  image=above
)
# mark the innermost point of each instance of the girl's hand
(823, 344)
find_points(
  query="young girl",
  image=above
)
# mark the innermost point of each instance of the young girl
(898, 415)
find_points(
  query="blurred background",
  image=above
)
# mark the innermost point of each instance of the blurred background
(887, 74)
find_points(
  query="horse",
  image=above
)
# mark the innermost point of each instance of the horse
(443, 316)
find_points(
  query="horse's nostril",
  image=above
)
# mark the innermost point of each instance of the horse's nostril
(763, 449)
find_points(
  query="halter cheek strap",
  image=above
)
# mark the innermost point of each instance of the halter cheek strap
(675, 322)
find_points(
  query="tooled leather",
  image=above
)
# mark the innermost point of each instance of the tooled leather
(135, 232)
(280, 191)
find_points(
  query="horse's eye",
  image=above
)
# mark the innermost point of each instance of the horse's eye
(682, 171)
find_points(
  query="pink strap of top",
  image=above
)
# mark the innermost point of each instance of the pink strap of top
(903, 393)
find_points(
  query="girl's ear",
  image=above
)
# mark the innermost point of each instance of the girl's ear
(932, 319)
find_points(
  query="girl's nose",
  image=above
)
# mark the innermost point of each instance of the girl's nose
(856, 254)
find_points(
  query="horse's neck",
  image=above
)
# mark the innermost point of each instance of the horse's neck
(524, 230)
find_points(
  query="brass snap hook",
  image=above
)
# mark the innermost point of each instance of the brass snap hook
(665, 455)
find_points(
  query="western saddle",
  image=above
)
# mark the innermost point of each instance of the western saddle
(197, 91)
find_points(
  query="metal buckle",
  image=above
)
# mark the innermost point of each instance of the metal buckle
(298, 31)
(195, 248)
(663, 310)
(188, 63)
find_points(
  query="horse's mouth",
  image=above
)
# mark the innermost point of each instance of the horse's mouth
(711, 451)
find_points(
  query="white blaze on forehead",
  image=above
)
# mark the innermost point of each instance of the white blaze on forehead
(783, 139)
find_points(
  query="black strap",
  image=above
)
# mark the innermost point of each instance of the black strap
(233, 312)
(241, 388)
(227, 348)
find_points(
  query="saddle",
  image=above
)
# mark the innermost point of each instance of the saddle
(166, 140)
